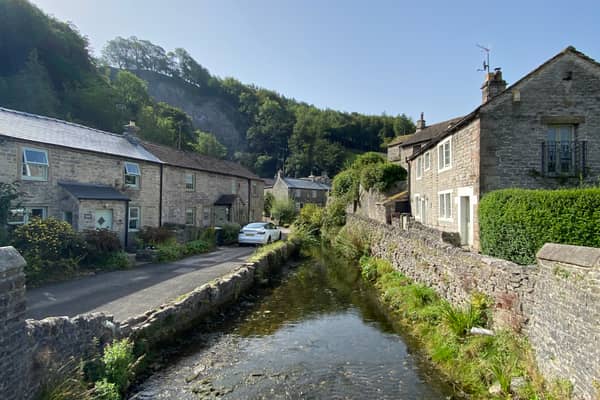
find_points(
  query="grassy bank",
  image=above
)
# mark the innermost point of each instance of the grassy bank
(479, 366)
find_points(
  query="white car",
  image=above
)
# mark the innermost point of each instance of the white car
(259, 233)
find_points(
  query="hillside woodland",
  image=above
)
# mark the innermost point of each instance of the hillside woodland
(174, 99)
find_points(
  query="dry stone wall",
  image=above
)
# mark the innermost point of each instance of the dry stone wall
(555, 303)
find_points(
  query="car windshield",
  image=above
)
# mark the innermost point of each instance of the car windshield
(256, 225)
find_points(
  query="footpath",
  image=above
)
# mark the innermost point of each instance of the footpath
(128, 293)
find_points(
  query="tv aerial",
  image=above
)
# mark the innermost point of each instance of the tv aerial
(486, 62)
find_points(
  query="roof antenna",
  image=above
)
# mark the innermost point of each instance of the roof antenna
(486, 62)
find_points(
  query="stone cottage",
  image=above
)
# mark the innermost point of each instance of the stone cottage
(101, 180)
(205, 191)
(540, 132)
(302, 191)
(89, 178)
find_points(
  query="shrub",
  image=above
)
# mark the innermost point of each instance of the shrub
(104, 390)
(197, 247)
(283, 211)
(170, 251)
(118, 360)
(310, 219)
(208, 236)
(100, 244)
(352, 243)
(515, 223)
(460, 321)
(153, 236)
(229, 233)
(345, 185)
(381, 177)
(268, 203)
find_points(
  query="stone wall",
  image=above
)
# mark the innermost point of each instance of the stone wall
(34, 352)
(556, 303)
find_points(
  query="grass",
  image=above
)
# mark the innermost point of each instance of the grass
(262, 251)
(471, 363)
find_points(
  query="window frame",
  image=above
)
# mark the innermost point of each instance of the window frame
(314, 193)
(193, 210)
(417, 212)
(442, 154)
(27, 211)
(137, 177)
(25, 165)
(193, 182)
(206, 212)
(138, 218)
(427, 161)
(557, 140)
(419, 172)
(445, 206)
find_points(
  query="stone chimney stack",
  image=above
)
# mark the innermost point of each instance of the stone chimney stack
(279, 174)
(421, 124)
(130, 132)
(493, 85)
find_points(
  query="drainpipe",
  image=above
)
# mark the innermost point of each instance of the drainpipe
(249, 195)
(160, 199)
(408, 185)
(126, 223)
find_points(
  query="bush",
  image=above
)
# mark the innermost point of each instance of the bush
(345, 185)
(229, 233)
(118, 360)
(100, 244)
(104, 390)
(170, 251)
(268, 203)
(197, 247)
(310, 219)
(283, 211)
(381, 177)
(208, 235)
(153, 236)
(515, 223)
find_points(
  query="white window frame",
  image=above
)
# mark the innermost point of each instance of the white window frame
(419, 167)
(443, 164)
(206, 214)
(138, 219)
(445, 205)
(135, 175)
(27, 211)
(193, 210)
(25, 170)
(189, 188)
(427, 161)
(417, 210)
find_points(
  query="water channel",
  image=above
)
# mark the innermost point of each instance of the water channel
(317, 334)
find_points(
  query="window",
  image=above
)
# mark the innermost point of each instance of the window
(68, 217)
(445, 204)
(444, 155)
(19, 216)
(206, 216)
(417, 210)
(190, 182)
(35, 165)
(419, 167)
(427, 161)
(314, 194)
(134, 218)
(254, 190)
(298, 193)
(190, 216)
(132, 174)
(562, 154)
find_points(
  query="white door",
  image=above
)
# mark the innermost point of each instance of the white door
(465, 220)
(104, 219)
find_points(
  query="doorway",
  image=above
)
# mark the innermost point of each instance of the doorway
(465, 221)
(104, 219)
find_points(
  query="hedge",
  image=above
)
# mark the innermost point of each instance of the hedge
(515, 223)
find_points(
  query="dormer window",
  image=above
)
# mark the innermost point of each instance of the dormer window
(132, 175)
(35, 165)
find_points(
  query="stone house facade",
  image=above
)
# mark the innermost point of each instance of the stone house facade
(313, 190)
(539, 133)
(100, 180)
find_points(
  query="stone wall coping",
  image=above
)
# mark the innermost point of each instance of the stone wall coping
(10, 258)
(587, 257)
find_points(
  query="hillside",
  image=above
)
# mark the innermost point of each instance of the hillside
(174, 99)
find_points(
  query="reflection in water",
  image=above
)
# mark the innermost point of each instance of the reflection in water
(316, 336)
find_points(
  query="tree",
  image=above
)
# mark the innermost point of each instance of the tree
(283, 211)
(9, 192)
(208, 145)
(268, 203)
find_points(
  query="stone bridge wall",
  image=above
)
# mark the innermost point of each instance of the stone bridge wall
(34, 352)
(556, 303)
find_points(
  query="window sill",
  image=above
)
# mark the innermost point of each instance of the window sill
(34, 179)
(446, 220)
(445, 169)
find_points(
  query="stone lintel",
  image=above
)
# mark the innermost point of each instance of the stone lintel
(563, 119)
(587, 257)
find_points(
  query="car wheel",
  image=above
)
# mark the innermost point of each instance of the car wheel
(269, 240)
(280, 236)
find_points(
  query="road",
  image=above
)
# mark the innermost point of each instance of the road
(128, 293)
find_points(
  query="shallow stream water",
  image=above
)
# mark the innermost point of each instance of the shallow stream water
(318, 334)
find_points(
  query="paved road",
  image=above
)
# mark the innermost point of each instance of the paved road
(132, 292)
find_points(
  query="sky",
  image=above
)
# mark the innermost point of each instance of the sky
(367, 56)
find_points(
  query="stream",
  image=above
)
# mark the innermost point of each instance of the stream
(317, 334)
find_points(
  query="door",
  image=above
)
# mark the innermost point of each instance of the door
(423, 211)
(104, 219)
(465, 220)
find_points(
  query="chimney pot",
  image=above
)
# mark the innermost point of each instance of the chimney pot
(493, 85)
(421, 123)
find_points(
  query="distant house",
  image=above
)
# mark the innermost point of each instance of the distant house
(302, 191)
(100, 180)
(541, 132)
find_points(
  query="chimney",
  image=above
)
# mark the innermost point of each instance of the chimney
(493, 85)
(130, 132)
(279, 174)
(421, 124)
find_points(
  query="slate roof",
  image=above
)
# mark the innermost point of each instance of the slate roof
(84, 191)
(431, 132)
(299, 183)
(399, 139)
(36, 128)
(191, 160)
(226, 200)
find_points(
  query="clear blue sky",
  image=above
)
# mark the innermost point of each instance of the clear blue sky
(365, 56)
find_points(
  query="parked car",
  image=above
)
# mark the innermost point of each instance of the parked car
(259, 233)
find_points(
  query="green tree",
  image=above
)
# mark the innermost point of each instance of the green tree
(268, 203)
(208, 145)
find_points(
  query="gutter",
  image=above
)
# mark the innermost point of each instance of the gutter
(249, 196)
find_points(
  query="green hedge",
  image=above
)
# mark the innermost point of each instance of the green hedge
(515, 223)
